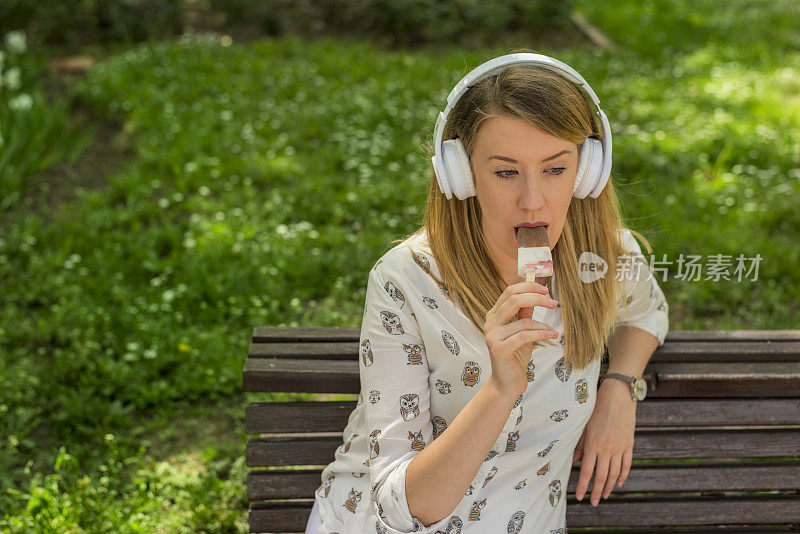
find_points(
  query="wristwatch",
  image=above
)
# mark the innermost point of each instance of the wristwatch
(637, 383)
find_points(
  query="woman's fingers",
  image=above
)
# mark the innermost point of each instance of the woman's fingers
(521, 325)
(524, 337)
(509, 309)
(522, 287)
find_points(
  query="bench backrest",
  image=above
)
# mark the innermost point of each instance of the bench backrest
(728, 400)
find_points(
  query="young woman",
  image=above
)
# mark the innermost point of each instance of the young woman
(471, 412)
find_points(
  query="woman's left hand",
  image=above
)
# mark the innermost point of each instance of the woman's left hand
(607, 440)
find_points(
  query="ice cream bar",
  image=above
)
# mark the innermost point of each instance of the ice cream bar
(534, 262)
(533, 253)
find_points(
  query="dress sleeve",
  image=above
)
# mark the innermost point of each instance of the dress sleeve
(647, 307)
(393, 370)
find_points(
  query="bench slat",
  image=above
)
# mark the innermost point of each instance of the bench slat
(673, 379)
(661, 478)
(286, 334)
(626, 511)
(318, 449)
(332, 416)
(671, 351)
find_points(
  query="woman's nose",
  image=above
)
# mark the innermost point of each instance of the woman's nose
(531, 196)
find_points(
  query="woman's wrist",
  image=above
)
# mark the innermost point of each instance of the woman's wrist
(503, 390)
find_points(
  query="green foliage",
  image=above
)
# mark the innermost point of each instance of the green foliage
(33, 132)
(73, 22)
(130, 495)
(398, 23)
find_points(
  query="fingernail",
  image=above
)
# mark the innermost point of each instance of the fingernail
(594, 502)
(553, 302)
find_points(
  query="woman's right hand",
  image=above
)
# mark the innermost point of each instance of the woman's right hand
(509, 339)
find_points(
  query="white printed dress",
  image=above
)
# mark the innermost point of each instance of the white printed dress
(421, 361)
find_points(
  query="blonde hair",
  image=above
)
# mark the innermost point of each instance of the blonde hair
(557, 107)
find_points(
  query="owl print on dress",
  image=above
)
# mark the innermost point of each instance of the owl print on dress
(366, 353)
(393, 493)
(414, 354)
(409, 406)
(391, 322)
(490, 476)
(563, 372)
(663, 306)
(543, 452)
(430, 302)
(357, 475)
(325, 488)
(518, 401)
(562, 530)
(352, 501)
(492, 454)
(521, 484)
(422, 261)
(450, 342)
(374, 396)
(559, 415)
(439, 425)
(529, 374)
(471, 374)
(581, 390)
(376, 264)
(417, 444)
(442, 386)
(453, 526)
(345, 447)
(555, 492)
(515, 523)
(475, 511)
(511, 442)
(544, 469)
(395, 293)
(519, 417)
(562, 341)
(374, 446)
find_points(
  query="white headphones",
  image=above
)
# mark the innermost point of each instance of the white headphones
(451, 163)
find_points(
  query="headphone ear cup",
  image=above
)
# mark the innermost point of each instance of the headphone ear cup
(458, 169)
(589, 166)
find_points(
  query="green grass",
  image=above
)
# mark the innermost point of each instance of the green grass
(270, 176)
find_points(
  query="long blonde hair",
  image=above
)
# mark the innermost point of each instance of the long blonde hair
(557, 107)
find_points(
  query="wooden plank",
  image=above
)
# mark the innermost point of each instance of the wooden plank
(293, 334)
(672, 379)
(776, 510)
(706, 476)
(332, 416)
(649, 444)
(329, 350)
(744, 351)
(266, 374)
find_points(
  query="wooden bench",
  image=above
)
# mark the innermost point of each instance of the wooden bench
(728, 400)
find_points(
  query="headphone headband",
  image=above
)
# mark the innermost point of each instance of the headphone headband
(495, 65)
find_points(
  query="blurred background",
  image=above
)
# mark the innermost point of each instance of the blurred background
(176, 172)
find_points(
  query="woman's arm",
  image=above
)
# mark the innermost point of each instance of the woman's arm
(439, 475)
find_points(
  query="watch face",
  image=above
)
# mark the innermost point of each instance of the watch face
(640, 388)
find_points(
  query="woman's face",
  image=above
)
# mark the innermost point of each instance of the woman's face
(522, 175)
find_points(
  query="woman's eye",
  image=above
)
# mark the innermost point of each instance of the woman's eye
(502, 174)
